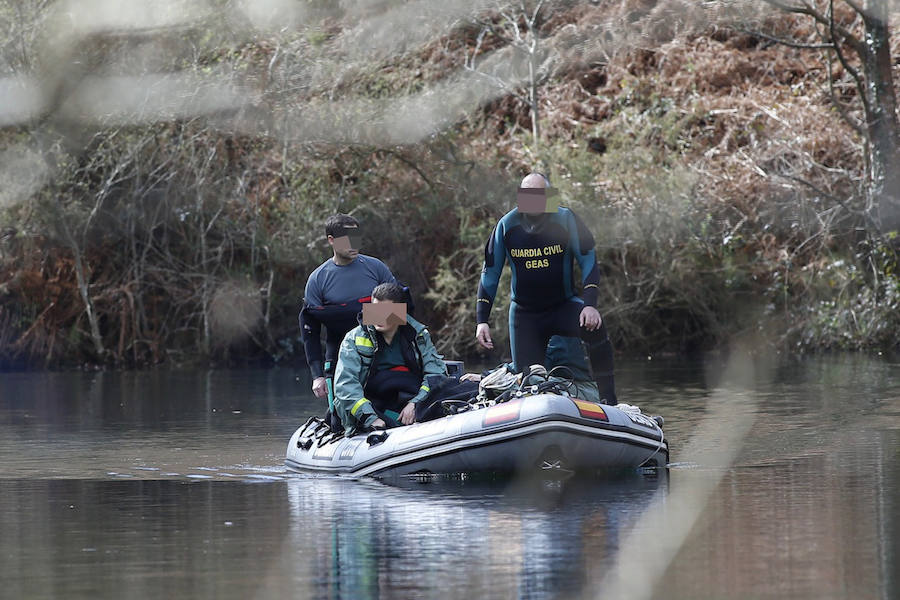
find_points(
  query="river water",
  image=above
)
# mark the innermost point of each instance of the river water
(784, 483)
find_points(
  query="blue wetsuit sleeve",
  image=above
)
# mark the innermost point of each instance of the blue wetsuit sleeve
(312, 296)
(587, 260)
(494, 259)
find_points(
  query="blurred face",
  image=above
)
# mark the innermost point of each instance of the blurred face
(534, 200)
(346, 244)
(384, 315)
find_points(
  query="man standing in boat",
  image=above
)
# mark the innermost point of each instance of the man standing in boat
(383, 364)
(334, 295)
(541, 241)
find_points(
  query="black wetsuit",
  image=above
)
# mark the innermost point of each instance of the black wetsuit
(541, 251)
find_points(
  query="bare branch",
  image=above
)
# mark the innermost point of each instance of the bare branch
(857, 77)
(856, 7)
(534, 15)
(502, 84)
(785, 41)
(411, 164)
(809, 11)
(514, 23)
(836, 199)
(854, 123)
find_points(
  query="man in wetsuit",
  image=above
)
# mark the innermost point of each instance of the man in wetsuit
(334, 295)
(541, 246)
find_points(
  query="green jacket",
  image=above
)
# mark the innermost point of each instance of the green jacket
(355, 358)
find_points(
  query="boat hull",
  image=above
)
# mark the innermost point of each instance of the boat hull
(545, 432)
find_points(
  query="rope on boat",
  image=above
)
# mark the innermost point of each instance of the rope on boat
(662, 437)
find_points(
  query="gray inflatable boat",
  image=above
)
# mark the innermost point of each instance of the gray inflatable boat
(543, 432)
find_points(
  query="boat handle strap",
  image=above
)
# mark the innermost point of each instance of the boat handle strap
(376, 437)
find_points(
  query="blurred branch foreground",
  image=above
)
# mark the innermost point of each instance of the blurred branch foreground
(166, 167)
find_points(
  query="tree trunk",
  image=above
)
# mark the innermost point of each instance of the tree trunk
(81, 281)
(88, 305)
(533, 99)
(882, 124)
(205, 344)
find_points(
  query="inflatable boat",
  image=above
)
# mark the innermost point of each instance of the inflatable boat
(547, 433)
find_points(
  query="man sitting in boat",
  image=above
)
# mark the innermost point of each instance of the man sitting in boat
(383, 364)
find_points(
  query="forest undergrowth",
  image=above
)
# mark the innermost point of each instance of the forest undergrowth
(726, 194)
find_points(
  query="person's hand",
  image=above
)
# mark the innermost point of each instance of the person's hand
(590, 318)
(320, 389)
(377, 423)
(483, 335)
(408, 414)
(471, 377)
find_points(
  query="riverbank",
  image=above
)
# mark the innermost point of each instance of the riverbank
(724, 191)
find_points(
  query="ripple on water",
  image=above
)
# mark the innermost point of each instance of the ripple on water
(257, 477)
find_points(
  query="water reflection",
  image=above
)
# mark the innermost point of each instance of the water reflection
(103, 494)
(789, 531)
(462, 539)
(137, 539)
(157, 400)
(147, 424)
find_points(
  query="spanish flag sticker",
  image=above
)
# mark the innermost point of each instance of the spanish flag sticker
(502, 413)
(589, 410)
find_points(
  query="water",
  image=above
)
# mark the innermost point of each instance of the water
(784, 483)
